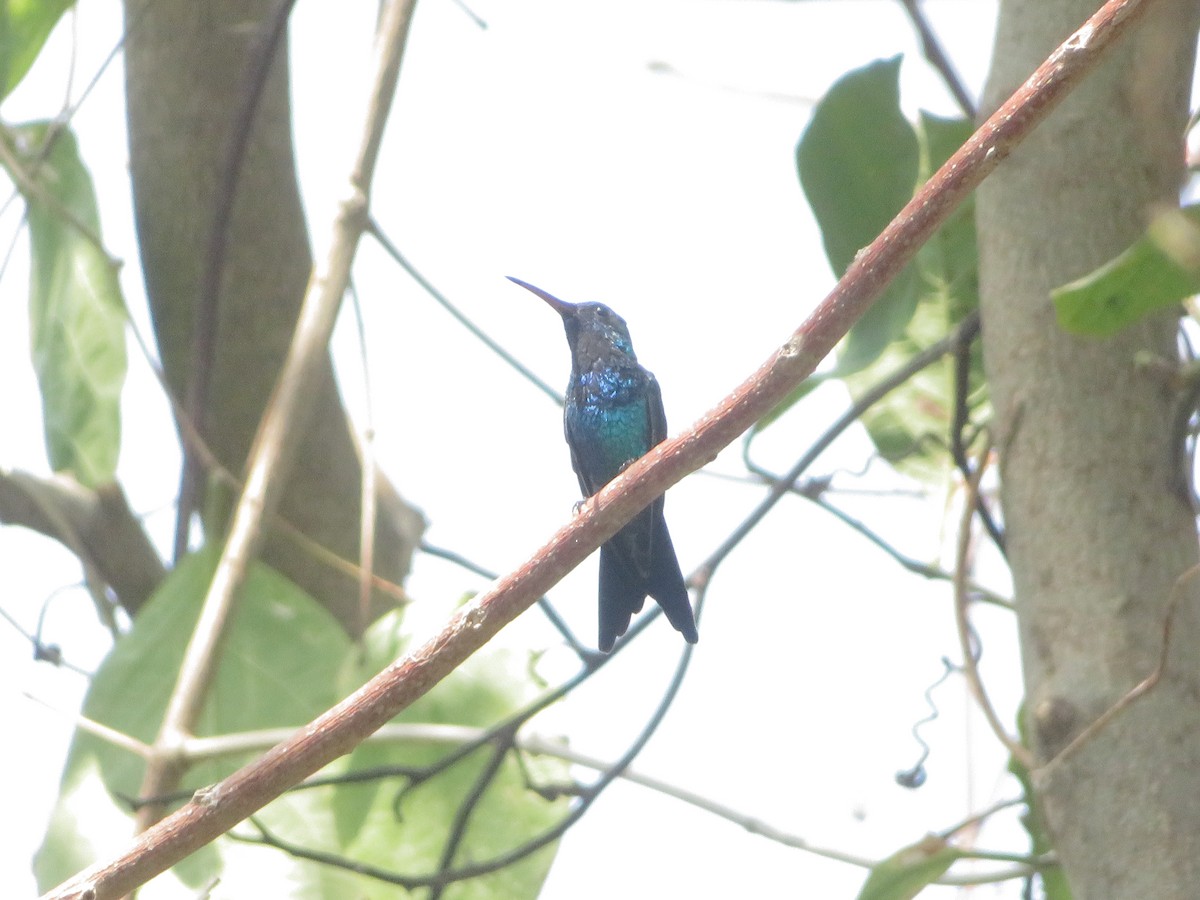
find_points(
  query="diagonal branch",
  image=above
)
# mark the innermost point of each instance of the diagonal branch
(345, 725)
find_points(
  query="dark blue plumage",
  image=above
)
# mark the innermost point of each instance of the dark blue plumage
(613, 415)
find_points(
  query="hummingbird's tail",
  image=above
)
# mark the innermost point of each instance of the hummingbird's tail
(665, 583)
(623, 589)
(621, 595)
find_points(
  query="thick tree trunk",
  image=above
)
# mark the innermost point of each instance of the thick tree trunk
(186, 66)
(1096, 538)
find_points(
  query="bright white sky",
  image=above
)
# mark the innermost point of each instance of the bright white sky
(548, 147)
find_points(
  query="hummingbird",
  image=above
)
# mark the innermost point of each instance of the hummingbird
(613, 415)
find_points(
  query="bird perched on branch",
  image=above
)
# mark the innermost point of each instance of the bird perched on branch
(612, 416)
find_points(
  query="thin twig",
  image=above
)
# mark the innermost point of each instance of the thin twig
(1140, 689)
(477, 19)
(970, 666)
(466, 809)
(1024, 869)
(926, 570)
(43, 652)
(544, 604)
(459, 316)
(502, 732)
(782, 485)
(936, 55)
(367, 490)
(958, 428)
(98, 729)
(543, 747)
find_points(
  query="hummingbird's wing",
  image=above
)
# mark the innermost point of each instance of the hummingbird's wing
(663, 577)
(640, 558)
(577, 464)
(656, 427)
(586, 459)
(656, 416)
(635, 543)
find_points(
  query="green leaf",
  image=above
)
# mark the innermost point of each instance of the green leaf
(77, 314)
(858, 159)
(911, 426)
(858, 163)
(1158, 272)
(285, 661)
(24, 27)
(279, 665)
(910, 870)
(403, 826)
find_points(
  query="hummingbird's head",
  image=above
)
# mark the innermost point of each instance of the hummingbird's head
(596, 324)
(591, 328)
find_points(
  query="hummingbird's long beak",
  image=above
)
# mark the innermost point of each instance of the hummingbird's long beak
(562, 307)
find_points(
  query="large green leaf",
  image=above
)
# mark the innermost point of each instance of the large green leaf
(911, 426)
(403, 827)
(1158, 272)
(76, 312)
(285, 661)
(24, 27)
(858, 162)
(279, 668)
